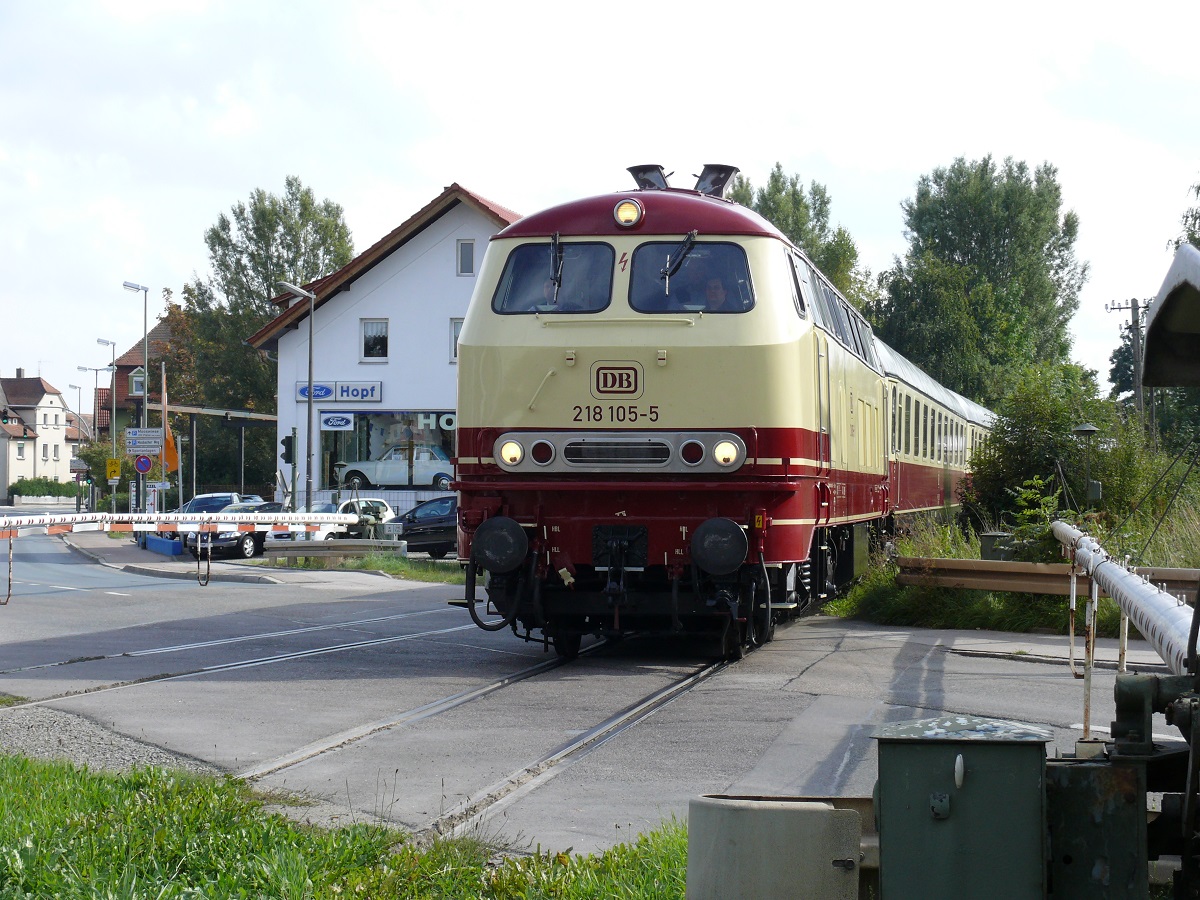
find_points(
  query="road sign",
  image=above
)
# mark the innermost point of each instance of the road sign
(143, 464)
(149, 448)
(78, 465)
(133, 434)
(113, 467)
(113, 482)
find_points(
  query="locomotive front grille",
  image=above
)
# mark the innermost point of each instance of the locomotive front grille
(618, 453)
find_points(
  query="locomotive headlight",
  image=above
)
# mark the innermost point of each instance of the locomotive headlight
(726, 453)
(628, 213)
(512, 452)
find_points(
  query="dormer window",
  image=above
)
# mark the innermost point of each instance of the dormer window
(137, 382)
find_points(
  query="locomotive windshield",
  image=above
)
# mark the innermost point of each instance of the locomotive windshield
(712, 277)
(583, 273)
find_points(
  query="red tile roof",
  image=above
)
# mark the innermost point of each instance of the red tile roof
(327, 286)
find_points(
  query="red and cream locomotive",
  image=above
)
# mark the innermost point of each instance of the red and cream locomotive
(669, 420)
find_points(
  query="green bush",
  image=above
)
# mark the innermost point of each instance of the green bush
(43, 487)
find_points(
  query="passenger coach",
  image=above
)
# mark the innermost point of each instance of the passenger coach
(669, 420)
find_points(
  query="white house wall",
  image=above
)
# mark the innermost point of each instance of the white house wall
(417, 289)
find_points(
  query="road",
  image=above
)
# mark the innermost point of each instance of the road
(374, 698)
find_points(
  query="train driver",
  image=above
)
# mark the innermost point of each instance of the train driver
(716, 297)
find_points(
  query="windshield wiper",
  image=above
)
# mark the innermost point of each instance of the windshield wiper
(556, 264)
(673, 265)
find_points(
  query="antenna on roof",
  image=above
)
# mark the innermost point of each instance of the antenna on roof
(649, 178)
(713, 179)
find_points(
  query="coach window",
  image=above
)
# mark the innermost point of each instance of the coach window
(907, 425)
(895, 424)
(924, 431)
(555, 277)
(677, 277)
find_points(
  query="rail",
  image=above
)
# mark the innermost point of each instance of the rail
(1030, 578)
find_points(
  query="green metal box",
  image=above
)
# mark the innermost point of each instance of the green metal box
(961, 809)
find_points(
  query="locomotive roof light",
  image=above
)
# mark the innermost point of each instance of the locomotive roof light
(511, 452)
(713, 178)
(628, 213)
(650, 177)
(727, 454)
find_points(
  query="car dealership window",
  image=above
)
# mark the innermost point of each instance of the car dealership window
(374, 340)
(466, 257)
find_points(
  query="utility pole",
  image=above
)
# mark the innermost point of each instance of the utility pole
(1135, 328)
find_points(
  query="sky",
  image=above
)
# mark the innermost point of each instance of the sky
(127, 127)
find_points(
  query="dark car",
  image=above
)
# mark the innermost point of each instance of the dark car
(431, 526)
(244, 544)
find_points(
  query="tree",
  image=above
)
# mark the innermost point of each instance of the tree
(804, 218)
(999, 233)
(1032, 438)
(1190, 222)
(270, 239)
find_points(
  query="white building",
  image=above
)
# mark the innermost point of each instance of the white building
(384, 346)
(38, 433)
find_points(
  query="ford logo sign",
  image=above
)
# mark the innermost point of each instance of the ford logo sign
(319, 391)
(336, 421)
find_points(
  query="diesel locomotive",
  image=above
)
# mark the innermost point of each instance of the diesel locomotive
(669, 420)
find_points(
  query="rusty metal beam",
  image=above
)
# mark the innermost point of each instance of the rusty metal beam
(1027, 578)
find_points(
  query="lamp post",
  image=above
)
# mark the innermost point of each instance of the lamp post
(1085, 431)
(308, 450)
(79, 409)
(131, 286)
(112, 420)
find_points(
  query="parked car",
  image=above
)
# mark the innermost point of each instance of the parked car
(244, 544)
(431, 526)
(430, 466)
(379, 509)
(204, 503)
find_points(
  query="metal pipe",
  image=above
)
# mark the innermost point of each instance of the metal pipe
(1161, 618)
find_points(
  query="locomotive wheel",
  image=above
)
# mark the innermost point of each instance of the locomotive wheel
(566, 644)
(732, 645)
(762, 622)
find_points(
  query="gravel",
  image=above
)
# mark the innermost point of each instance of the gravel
(39, 732)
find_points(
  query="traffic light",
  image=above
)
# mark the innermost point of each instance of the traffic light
(87, 477)
(4, 418)
(288, 455)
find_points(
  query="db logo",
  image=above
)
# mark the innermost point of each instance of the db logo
(616, 379)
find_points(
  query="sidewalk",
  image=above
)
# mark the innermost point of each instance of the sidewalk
(120, 552)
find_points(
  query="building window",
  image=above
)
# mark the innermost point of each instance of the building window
(45, 418)
(20, 449)
(56, 420)
(45, 451)
(455, 328)
(466, 257)
(56, 451)
(374, 340)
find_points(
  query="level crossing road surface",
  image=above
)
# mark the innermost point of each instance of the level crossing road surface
(373, 698)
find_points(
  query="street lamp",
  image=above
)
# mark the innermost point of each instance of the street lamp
(112, 421)
(79, 408)
(131, 286)
(1085, 431)
(308, 453)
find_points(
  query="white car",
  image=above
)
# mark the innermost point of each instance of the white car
(430, 466)
(378, 509)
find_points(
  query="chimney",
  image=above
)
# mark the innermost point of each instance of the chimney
(20, 373)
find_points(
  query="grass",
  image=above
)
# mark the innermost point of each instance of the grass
(407, 568)
(70, 833)
(877, 597)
